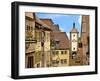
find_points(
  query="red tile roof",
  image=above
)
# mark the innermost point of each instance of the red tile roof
(64, 42)
(74, 30)
(42, 23)
(49, 22)
(55, 28)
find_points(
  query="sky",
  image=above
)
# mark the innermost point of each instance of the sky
(65, 21)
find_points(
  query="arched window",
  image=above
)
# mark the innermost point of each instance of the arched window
(74, 54)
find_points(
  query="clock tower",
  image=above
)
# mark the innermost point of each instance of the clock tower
(74, 42)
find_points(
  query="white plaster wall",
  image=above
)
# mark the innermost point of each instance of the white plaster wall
(74, 40)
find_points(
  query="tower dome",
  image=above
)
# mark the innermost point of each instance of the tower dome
(74, 30)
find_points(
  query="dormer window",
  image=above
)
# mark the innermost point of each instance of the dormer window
(57, 43)
(74, 54)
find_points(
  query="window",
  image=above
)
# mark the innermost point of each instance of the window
(57, 44)
(73, 48)
(26, 27)
(62, 52)
(47, 37)
(37, 57)
(38, 35)
(55, 62)
(38, 65)
(27, 45)
(80, 45)
(57, 52)
(43, 38)
(43, 34)
(30, 62)
(29, 28)
(65, 52)
(74, 54)
(73, 35)
(63, 61)
(53, 52)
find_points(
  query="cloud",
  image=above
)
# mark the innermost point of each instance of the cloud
(47, 15)
(62, 29)
(52, 16)
(80, 20)
(68, 34)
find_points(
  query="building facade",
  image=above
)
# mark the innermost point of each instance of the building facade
(80, 45)
(85, 38)
(37, 42)
(47, 46)
(75, 56)
(59, 45)
(59, 49)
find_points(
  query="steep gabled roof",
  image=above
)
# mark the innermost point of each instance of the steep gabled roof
(55, 28)
(64, 42)
(42, 23)
(47, 21)
(29, 14)
(74, 30)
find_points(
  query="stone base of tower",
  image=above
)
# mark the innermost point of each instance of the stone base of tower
(77, 61)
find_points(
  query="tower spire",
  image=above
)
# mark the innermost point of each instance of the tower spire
(74, 25)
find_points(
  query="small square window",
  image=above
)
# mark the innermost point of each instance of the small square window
(62, 52)
(65, 52)
(53, 52)
(73, 48)
(57, 52)
(61, 61)
(38, 65)
(65, 61)
(74, 54)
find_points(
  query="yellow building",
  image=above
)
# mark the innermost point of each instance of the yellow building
(45, 42)
(37, 42)
(29, 40)
(59, 49)
(59, 45)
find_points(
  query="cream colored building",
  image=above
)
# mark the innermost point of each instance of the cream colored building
(59, 45)
(37, 42)
(75, 51)
(74, 41)
(29, 40)
(60, 49)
